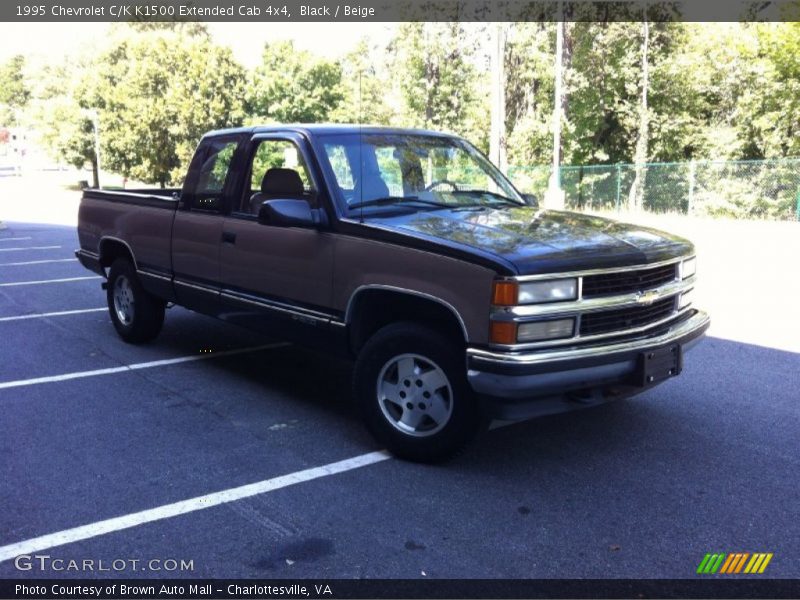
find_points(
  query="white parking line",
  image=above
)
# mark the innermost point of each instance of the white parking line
(134, 367)
(167, 511)
(15, 239)
(16, 283)
(37, 262)
(60, 313)
(29, 248)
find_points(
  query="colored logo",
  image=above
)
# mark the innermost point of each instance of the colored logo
(734, 562)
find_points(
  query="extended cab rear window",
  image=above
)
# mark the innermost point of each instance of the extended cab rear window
(207, 194)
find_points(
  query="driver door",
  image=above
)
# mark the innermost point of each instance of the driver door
(273, 274)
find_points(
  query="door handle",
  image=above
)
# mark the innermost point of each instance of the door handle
(228, 237)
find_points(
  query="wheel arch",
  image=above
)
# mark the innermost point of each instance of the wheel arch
(374, 306)
(112, 248)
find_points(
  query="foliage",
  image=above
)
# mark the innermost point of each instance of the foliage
(58, 110)
(157, 93)
(696, 94)
(183, 27)
(14, 92)
(293, 86)
(717, 91)
(437, 79)
(775, 102)
(751, 190)
(529, 92)
(761, 189)
(365, 82)
(603, 92)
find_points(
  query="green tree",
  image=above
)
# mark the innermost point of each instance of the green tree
(602, 82)
(294, 86)
(366, 79)
(14, 92)
(772, 104)
(58, 113)
(529, 92)
(157, 92)
(433, 63)
(694, 101)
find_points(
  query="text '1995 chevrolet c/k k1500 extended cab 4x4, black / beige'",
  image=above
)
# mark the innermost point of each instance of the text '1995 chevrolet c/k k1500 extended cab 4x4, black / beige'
(458, 298)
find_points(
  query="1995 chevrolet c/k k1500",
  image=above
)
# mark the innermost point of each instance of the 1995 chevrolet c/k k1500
(408, 250)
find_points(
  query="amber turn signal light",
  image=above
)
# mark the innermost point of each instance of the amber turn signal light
(502, 332)
(505, 293)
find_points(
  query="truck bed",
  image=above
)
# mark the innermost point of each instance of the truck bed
(135, 196)
(140, 219)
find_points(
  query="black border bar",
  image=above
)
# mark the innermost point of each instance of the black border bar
(398, 10)
(252, 589)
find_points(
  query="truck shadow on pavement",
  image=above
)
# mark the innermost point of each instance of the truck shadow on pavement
(726, 388)
(733, 400)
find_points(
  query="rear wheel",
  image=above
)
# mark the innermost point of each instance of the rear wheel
(137, 315)
(411, 387)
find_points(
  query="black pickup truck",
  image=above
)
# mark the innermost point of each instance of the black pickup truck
(457, 297)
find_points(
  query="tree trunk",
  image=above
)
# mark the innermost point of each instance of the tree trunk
(497, 137)
(95, 174)
(636, 196)
(554, 197)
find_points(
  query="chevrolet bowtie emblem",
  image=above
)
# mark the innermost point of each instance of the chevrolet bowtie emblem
(647, 298)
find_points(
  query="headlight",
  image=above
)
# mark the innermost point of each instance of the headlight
(512, 293)
(555, 290)
(545, 330)
(688, 268)
(686, 298)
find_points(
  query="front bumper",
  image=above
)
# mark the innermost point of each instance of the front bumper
(523, 384)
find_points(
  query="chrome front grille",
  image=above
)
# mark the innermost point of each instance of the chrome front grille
(627, 282)
(621, 319)
(611, 303)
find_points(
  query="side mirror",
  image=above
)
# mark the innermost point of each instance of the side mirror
(531, 200)
(288, 213)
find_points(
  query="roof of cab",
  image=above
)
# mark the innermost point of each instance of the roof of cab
(325, 128)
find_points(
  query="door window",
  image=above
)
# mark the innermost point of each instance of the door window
(212, 175)
(278, 171)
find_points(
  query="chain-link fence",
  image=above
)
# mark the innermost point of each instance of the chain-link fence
(763, 189)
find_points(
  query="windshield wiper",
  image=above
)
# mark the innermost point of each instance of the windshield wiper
(495, 196)
(400, 200)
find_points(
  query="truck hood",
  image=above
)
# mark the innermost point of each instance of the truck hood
(542, 241)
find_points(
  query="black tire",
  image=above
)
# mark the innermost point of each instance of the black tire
(145, 312)
(380, 361)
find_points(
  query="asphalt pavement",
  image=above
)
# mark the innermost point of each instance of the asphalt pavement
(641, 488)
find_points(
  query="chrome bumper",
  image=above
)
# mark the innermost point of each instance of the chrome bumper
(531, 375)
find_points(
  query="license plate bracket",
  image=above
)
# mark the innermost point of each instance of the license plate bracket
(660, 364)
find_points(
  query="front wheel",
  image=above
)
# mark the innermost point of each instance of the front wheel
(137, 315)
(410, 384)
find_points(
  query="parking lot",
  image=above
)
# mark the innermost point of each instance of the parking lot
(103, 444)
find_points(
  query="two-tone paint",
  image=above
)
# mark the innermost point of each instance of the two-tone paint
(309, 284)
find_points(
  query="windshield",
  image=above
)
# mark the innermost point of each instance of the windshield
(421, 172)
